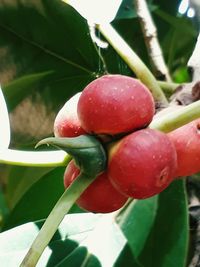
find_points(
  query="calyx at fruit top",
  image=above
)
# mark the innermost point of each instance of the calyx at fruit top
(86, 150)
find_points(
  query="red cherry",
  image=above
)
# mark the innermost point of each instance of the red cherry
(67, 123)
(186, 140)
(142, 164)
(100, 196)
(114, 104)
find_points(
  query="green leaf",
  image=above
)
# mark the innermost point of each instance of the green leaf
(177, 53)
(157, 228)
(136, 222)
(126, 258)
(38, 38)
(80, 257)
(87, 151)
(39, 200)
(167, 242)
(19, 181)
(47, 42)
(3, 208)
(169, 7)
(15, 242)
(127, 10)
(18, 89)
(97, 241)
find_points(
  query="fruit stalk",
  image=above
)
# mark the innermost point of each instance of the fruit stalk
(168, 87)
(174, 120)
(134, 62)
(54, 219)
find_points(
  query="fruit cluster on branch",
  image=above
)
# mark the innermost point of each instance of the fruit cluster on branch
(142, 162)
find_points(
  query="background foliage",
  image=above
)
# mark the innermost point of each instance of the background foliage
(47, 55)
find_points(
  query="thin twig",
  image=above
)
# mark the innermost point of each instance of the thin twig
(151, 39)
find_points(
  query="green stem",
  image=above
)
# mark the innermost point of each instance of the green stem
(34, 158)
(134, 62)
(54, 219)
(174, 120)
(168, 87)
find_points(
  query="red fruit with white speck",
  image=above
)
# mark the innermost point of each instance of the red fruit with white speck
(186, 140)
(142, 164)
(114, 104)
(67, 123)
(100, 196)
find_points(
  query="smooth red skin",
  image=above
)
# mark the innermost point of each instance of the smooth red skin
(142, 164)
(66, 123)
(186, 140)
(100, 196)
(114, 104)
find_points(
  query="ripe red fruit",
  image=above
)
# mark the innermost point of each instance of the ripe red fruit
(100, 196)
(114, 104)
(186, 140)
(142, 164)
(67, 123)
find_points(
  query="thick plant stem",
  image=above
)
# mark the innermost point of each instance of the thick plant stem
(134, 62)
(54, 219)
(34, 158)
(174, 120)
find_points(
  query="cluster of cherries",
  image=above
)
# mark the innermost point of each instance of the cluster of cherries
(142, 162)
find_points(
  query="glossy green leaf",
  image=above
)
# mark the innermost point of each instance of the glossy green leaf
(157, 228)
(136, 222)
(167, 242)
(47, 42)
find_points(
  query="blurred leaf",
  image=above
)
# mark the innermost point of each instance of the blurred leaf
(181, 75)
(136, 222)
(167, 242)
(127, 10)
(16, 90)
(171, 7)
(39, 200)
(171, 32)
